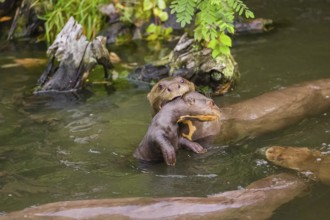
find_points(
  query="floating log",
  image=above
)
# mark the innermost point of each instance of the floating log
(76, 57)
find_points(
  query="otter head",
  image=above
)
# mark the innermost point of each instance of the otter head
(202, 109)
(168, 89)
(201, 105)
(297, 158)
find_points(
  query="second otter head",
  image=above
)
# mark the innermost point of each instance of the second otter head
(297, 158)
(168, 89)
(200, 105)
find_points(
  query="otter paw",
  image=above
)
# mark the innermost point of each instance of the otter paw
(194, 146)
(169, 157)
(197, 148)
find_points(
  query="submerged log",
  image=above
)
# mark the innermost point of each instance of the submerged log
(258, 25)
(76, 57)
(257, 201)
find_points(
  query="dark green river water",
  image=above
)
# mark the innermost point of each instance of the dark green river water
(52, 150)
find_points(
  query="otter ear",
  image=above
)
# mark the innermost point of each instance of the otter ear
(210, 103)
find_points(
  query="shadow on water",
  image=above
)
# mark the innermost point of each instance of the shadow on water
(54, 150)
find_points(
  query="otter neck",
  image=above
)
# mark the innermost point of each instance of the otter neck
(174, 110)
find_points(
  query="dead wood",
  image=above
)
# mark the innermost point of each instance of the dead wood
(72, 57)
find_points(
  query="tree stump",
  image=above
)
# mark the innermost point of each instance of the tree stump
(195, 63)
(72, 57)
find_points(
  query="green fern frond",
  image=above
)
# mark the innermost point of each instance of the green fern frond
(240, 7)
(213, 19)
(184, 10)
(207, 19)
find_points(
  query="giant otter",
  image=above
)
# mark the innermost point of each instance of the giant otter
(163, 139)
(265, 113)
(256, 201)
(171, 87)
(167, 89)
(274, 110)
(301, 159)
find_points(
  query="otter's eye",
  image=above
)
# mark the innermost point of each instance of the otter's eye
(160, 86)
(270, 151)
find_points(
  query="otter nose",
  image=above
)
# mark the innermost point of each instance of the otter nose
(173, 87)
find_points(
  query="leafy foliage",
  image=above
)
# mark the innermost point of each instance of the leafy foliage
(214, 19)
(143, 10)
(57, 13)
(157, 32)
(184, 10)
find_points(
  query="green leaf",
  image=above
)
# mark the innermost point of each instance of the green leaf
(151, 28)
(168, 31)
(158, 29)
(235, 5)
(147, 5)
(230, 29)
(225, 39)
(215, 53)
(198, 34)
(152, 37)
(213, 33)
(230, 3)
(213, 43)
(163, 16)
(161, 4)
(183, 23)
(241, 11)
(184, 10)
(156, 11)
(225, 50)
(249, 14)
(222, 26)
